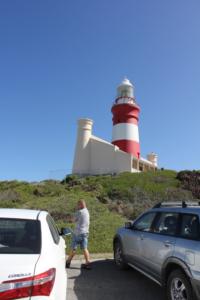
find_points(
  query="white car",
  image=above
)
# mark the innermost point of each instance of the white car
(32, 256)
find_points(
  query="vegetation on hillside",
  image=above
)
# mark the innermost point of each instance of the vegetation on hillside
(130, 194)
(190, 180)
(110, 199)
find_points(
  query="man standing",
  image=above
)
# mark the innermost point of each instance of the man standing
(80, 236)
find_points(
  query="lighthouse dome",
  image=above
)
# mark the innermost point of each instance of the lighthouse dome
(126, 81)
(125, 89)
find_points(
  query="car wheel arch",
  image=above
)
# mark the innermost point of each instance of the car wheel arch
(172, 264)
(116, 239)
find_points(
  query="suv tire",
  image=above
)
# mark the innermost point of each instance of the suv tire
(179, 286)
(118, 256)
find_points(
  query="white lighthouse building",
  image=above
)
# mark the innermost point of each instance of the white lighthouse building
(96, 156)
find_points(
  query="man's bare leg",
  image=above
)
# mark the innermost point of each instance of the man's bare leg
(70, 257)
(87, 256)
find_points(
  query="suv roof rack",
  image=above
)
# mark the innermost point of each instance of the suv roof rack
(183, 204)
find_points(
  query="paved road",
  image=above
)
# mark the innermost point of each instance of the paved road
(105, 282)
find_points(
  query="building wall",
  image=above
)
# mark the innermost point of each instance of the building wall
(107, 158)
(96, 156)
(123, 161)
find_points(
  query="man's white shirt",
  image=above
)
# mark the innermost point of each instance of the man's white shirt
(82, 218)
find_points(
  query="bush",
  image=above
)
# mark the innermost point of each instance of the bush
(71, 180)
(9, 195)
(190, 180)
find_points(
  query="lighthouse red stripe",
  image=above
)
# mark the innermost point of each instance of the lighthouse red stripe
(128, 146)
(123, 119)
(125, 113)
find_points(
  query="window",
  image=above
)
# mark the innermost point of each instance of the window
(53, 229)
(167, 224)
(135, 164)
(190, 227)
(18, 236)
(140, 167)
(145, 222)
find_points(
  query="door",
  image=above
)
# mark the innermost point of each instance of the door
(188, 242)
(59, 257)
(159, 244)
(133, 238)
(53, 258)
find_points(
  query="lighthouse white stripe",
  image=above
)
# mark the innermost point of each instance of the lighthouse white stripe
(125, 131)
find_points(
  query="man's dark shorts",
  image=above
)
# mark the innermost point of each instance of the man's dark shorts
(81, 239)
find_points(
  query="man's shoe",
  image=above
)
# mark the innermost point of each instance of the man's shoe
(86, 266)
(67, 265)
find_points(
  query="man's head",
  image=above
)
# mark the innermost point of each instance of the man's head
(81, 204)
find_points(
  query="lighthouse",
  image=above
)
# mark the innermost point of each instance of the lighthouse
(95, 156)
(125, 119)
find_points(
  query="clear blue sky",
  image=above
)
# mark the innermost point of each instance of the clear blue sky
(62, 60)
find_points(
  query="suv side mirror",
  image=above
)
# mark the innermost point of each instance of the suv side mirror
(129, 225)
(65, 231)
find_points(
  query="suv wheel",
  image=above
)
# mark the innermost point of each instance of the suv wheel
(118, 256)
(179, 287)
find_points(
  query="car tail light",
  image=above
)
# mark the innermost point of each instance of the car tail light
(39, 285)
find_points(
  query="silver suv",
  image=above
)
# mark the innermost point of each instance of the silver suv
(164, 244)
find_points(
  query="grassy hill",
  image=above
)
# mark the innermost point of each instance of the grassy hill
(110, 199)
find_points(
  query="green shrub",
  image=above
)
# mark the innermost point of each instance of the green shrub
(190, 180)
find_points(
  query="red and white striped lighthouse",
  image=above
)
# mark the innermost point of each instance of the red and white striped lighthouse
(125, 112)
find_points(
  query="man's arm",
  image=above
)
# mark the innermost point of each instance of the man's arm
(73, 218)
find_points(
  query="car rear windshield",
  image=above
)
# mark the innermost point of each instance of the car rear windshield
(19, 236)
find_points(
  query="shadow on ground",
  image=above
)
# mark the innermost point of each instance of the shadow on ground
(106, 282)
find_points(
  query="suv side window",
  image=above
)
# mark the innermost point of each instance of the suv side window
(167, 224)
(145, 222)
(53, 229)
(190, 227)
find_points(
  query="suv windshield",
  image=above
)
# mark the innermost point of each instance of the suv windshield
(19, 236)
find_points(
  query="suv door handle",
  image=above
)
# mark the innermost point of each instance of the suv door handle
(168, 243)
